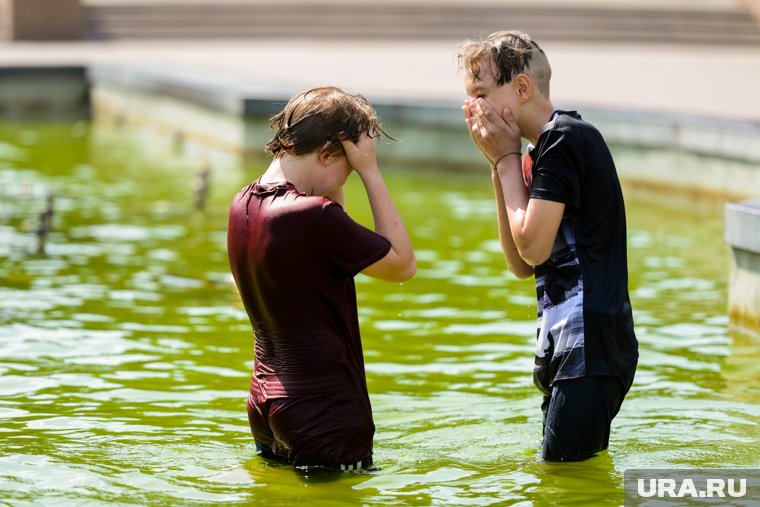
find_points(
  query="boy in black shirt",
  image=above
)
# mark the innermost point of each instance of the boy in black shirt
(561, 217)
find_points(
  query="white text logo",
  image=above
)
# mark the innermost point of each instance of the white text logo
(714, 488)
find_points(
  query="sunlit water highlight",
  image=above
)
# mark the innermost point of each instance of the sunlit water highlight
(125, 353)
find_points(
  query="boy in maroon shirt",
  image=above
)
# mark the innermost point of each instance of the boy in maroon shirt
(294, 252)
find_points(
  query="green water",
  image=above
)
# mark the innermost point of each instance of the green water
(125, 353)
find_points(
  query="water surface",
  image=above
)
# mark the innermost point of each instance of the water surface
(125, 353)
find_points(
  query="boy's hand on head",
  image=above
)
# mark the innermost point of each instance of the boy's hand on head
(361, 155)
(494, 133)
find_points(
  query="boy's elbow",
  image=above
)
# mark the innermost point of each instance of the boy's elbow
(517, 265)
(532, 249)
(534, 258)
(393, 268)
(402, 270)
(408, 271)
(521, 272)
(533, 254)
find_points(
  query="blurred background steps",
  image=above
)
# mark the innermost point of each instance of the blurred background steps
(3, 20)
(236, 20)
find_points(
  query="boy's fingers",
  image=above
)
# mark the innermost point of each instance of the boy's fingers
(508, 117)
(471, 121)
(349, 145)
(479, 109)
(472, 129)
(486, 109)
(510, 120)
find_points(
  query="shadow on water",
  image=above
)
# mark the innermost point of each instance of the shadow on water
(593, 482)
(283, 484)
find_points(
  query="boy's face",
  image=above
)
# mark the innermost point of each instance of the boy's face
(484, 86)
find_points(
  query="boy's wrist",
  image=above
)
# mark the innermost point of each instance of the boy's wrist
(370, 174)
(504, 156)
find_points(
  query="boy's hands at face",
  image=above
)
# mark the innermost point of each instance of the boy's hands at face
(495, 134)
(470, 120)
(361, 155)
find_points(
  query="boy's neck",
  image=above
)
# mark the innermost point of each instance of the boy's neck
(295, 170)
(538, 117)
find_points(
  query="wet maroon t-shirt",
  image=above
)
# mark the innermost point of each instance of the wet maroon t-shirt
(294, 258)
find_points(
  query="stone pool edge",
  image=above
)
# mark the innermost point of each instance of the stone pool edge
(224, 122)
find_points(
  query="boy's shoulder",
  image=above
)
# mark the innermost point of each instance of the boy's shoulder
(569, 120)
(571, 123)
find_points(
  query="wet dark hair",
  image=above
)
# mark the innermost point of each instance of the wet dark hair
(510, 53)
(319, 119)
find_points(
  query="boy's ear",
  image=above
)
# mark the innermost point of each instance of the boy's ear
(523, 87)
(324, 154)
(328, 153)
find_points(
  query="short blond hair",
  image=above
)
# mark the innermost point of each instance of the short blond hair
(510, 53)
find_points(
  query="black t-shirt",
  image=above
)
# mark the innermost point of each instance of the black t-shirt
(585, 323)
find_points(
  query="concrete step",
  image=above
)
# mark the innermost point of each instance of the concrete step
(3, 34)
(227, 21)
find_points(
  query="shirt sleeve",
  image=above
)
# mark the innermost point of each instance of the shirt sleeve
(558, 173)
(348, 245)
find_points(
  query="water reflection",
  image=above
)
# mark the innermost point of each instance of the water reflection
(125, 354)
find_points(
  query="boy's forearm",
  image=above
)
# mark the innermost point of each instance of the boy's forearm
(515, 196)
(516, 204)
(387, 220)
(515, 263)
(533, 222)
